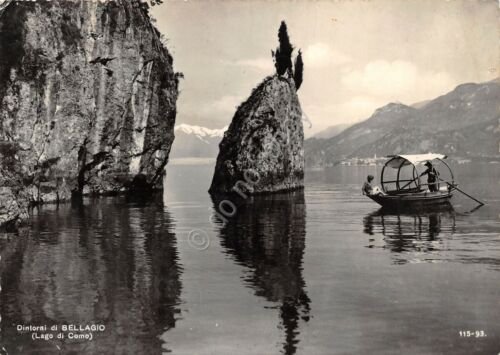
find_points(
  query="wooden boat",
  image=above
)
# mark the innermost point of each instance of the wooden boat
(406, 190)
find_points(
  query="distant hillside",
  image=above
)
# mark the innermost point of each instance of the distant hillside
(462, 123)
(196, 142)
(331, 131)
(324, 152)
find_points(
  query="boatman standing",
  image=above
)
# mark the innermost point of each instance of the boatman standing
(432, 177)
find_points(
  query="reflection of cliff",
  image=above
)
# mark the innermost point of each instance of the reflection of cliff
(267, 235)
(417, 232)
(98, 263)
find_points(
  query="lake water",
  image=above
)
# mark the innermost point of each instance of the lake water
(320, 271)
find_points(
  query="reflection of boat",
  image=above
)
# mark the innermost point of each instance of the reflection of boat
(405, 232)
(405, 189)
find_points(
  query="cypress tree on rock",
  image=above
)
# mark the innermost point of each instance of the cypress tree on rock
(283, 54)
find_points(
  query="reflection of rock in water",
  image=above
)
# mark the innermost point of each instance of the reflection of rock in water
(405, 232)
(99, 263)
(267, 235)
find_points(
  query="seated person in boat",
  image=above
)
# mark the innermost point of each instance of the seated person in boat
(368, 189)
(432, 177)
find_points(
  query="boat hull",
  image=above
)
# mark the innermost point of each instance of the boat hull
(422, 200)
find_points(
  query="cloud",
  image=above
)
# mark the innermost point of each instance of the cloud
(318, 55)
(360, 107)
(321, 55)
(261, 64)
(318, 117)
(211, 113)
(225, 104)
(372, 86)
(397, 80)
(353, 110)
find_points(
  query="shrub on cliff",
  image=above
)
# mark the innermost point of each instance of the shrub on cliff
(299, 71)
(145, 5)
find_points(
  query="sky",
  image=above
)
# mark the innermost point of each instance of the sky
(358, 54)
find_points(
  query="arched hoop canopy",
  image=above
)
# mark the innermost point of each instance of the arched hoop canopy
(412, 164)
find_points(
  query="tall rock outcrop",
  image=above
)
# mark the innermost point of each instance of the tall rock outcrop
(262, 151)
(88, 93)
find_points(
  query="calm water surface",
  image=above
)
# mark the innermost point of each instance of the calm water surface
(322, 271)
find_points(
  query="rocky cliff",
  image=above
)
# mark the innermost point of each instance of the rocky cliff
(88, 93)
(262, 151)
(13, 196)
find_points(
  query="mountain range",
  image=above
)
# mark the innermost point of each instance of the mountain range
(331, 131)
(463, 123)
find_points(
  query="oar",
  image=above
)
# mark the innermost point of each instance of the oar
(465, 193)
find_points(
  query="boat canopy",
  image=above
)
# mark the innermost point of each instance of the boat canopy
(398, 161)
(404, 175)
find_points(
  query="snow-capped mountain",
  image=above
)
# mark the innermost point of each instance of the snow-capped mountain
(196, 142)
(199, 131)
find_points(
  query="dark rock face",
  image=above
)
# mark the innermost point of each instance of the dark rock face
(13, 197)
(262, 151)
(88, 92)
